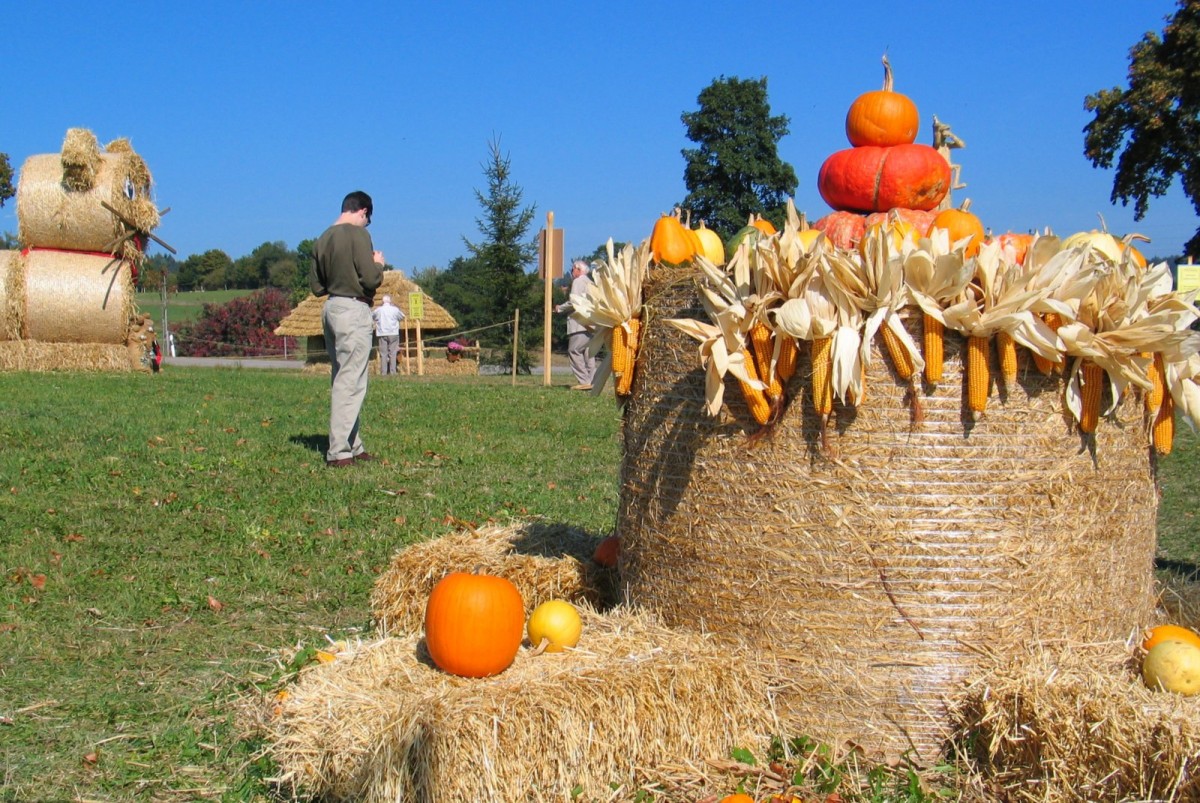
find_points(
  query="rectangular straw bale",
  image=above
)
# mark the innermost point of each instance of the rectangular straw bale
(545, 561)
(34, 355)
(382, 724)
(1078, 724)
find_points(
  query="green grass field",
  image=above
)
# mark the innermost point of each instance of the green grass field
(168, 540)
(183, 307)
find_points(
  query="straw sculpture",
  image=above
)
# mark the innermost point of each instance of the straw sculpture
(32, 355)
(12, 281)
(380, 723)
(875, 575)
(73, 297)
(545, 561)
(61, 198)
(1077, 723)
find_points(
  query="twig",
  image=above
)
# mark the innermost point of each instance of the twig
(887, 589)
(133, 226)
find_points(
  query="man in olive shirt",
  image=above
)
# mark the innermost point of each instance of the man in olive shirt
(348, 270)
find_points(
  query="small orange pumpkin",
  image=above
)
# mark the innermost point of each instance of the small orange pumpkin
(1018, 244)
(883, 117)
(960, 223)
(669, 242)
(608, 551)
(740, 797)
(474, 624)
(1157, 635)
(762, 224)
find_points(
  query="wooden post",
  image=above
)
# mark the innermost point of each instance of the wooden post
(407, 356)
(516, 331)
(548, 285)
(420, 351)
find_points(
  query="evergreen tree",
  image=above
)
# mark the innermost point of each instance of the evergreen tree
(6, 176)
(736, 170)
(505, 252)
(1152, 129)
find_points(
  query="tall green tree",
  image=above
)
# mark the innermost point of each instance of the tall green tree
(6, 176)
(506, 250)
(1152, 128)
(736, 169)
(205, 271)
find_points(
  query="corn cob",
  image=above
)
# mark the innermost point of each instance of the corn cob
(789, 354)
(900, 356)
(1164, 425)
(756, 400)
(625, 343)
(979, 376)
(1006, 350)
(935, 336)
(1093, 385)
(1053, 320)
(822, 365)
(1154, 396)
(763, 342)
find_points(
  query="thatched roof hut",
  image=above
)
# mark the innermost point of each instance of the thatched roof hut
(305, 319)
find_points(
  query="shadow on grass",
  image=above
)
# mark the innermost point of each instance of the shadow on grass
(1180, 568)
(315, 443)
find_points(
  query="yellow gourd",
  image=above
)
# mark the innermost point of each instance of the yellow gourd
(557, 623)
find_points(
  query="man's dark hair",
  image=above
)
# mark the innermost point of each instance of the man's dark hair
(358, 200)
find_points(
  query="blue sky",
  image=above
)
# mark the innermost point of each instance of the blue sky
(257, 117)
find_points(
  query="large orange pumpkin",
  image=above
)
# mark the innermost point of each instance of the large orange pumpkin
(474, 624)
(960, 223)
(669, 242)
(883, 117)
(843, 229)
(874, 179)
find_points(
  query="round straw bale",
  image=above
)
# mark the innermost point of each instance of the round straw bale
(1077, 723)
(876, 574)
(51, 215)
(380, 723)
(77, 298)
(32, 355)
(545, 561)
(12, 294)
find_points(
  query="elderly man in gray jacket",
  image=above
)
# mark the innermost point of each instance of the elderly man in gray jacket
(583, 364)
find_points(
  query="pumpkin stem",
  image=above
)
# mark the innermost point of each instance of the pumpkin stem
(966, 205)
(888, 79)
(541, 647)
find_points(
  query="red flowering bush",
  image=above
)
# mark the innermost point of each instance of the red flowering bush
(243, 327)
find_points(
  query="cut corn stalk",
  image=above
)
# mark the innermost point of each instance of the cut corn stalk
(756, 400)
(624, 354)
(1054, 321)
(1093, 386)
(1154, 396)
(763, 343)
(979, 376)
(1006, 350)
(935, 340)
(1164, 426)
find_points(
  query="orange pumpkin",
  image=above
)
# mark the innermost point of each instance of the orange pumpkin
(1157, 635)
(843, 229)
(919, 219)
(762, 224)
(960, 223)
(669, 242)
(474, 624)
(883, 117)
(874, 179)
(608, 551)
(1018, 244)
(740, 797)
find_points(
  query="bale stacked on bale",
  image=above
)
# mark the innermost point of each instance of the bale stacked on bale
(545, 561)
(74, 297)
(1077, 723)
(12, 290)
(380, 723)
(876, 577)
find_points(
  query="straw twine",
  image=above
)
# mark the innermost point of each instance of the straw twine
(12, 280)
(876, 579)
(545, 561)
(51, 215)
(380, 723)
(1079, 724)
(77, 298)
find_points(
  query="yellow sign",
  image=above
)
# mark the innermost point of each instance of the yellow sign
(416, 305)
(1187, 277)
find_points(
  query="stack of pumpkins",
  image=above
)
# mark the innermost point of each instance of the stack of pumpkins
(886, 174)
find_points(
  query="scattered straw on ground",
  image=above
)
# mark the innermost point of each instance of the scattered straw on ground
(545, 561)
(380, 723)
(1078, 724)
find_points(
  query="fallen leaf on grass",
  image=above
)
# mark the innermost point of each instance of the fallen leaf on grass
(324, 657)
(38, 581)
(214, 603)
(7, 627)
(74, 538)
(91, 758)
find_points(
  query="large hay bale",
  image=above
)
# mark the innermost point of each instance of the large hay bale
(545, 561)
(12, 291)
(380, 723)
(51, 214)
(77, 298)
(1078, 724)
(878, 575)
(32, 355)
